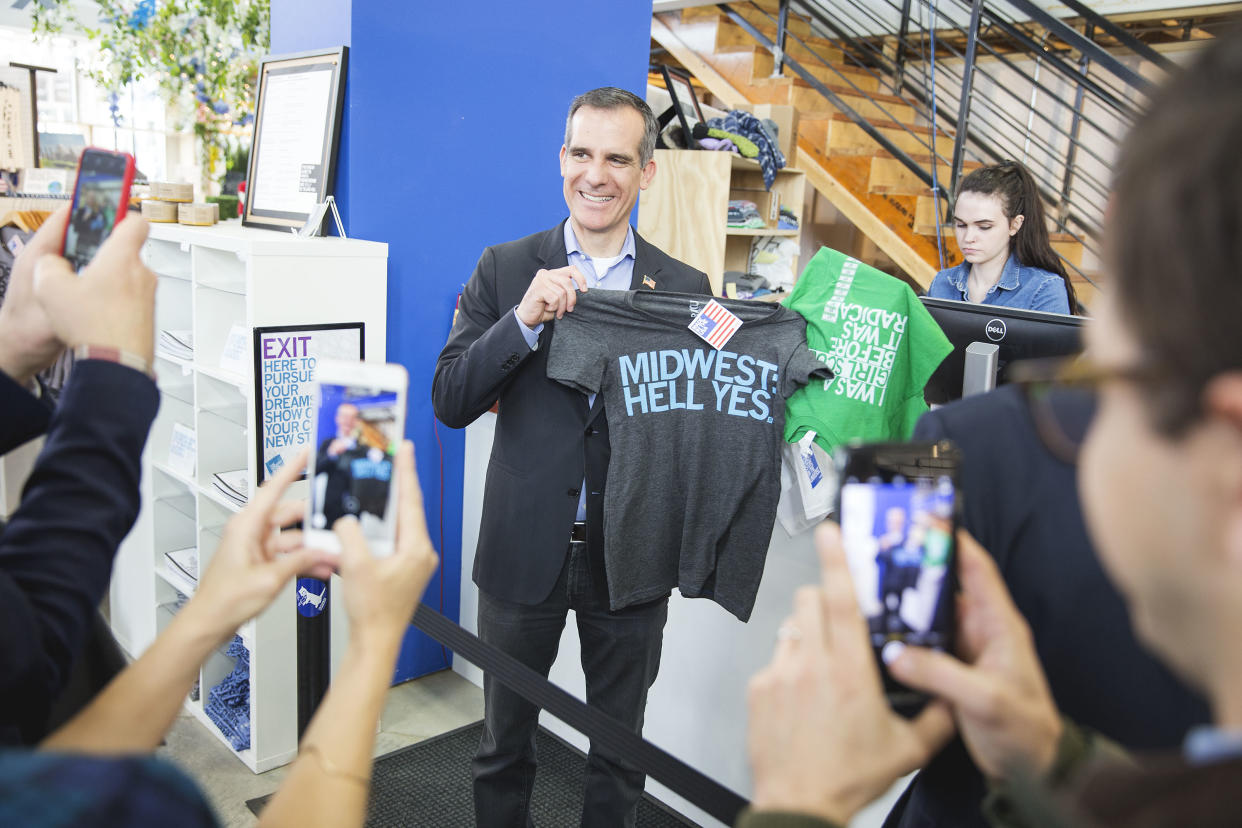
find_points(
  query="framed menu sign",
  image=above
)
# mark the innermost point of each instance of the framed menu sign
(297, 129)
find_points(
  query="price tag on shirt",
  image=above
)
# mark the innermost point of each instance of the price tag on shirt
(816, 478)
(235, 359)
(182, 450)
(715, 325)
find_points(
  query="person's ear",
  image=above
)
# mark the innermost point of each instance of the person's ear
(1222, 403)
(648, 173)
(1222, 397)
(1015, 224)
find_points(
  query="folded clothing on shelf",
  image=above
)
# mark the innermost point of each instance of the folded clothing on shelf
(739, 143)
(744, 214)
(745, 126)
(788, 220)
(228, 703)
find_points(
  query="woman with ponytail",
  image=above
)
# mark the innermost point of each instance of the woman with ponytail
(999, 223)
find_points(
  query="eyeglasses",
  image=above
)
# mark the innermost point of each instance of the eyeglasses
(1061, 396)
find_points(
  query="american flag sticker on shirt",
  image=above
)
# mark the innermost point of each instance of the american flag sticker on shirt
(715, 325)
(647, 280)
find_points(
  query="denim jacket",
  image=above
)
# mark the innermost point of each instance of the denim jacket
(1027, 288)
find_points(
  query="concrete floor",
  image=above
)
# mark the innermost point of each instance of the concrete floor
(414, 711)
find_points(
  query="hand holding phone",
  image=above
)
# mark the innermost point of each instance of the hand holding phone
(898, 509)
(111, 302)
(382, 594)
(359, 422)
(28, 339)
(823, 739)
(1000, 697)
(100, 202)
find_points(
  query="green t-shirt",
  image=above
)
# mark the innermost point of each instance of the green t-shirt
(881, 344)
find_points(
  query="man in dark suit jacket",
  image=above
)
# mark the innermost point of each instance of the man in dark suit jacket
(540, 549)
(1021, 503)
(333, 462)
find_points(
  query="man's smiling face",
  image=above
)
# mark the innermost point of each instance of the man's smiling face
(603, 172)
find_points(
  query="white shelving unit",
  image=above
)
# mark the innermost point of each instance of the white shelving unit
(210, 279)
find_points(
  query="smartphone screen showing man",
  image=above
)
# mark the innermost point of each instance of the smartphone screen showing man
(358, 430)
(898, 537)
(99, 197)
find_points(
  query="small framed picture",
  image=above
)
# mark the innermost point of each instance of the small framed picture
(297, 130)
(685, 103)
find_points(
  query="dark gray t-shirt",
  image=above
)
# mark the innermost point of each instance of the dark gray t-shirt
(695, 433)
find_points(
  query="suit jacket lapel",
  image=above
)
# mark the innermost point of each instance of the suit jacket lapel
(552, 252)
(646, 267)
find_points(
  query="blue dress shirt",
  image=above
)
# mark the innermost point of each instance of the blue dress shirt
(1025, 288)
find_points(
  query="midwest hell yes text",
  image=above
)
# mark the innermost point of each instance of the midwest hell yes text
(738, 385)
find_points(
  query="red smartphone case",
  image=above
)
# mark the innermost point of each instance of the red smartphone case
(126, 183)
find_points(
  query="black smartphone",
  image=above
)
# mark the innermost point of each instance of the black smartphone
(100, 201)
(898, 507)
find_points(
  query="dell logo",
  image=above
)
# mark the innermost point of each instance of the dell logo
(995, 329)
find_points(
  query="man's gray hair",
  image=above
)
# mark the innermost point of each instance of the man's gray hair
(610, 97)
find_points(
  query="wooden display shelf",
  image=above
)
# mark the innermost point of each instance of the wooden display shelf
(685, 210)
(761, 231)
(221, 277)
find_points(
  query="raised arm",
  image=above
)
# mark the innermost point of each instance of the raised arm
(329, 782)
(27, 342)
(251, 565)
(489, 342)
(476, 363)
(82, 495)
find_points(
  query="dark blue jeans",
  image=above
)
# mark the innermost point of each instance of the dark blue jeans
(620, 657)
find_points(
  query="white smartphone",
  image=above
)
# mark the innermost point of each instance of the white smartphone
(359, 423)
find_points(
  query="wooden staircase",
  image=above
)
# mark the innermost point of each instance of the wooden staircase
(891, 205)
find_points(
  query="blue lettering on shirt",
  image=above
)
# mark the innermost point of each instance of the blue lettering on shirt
(737, 385)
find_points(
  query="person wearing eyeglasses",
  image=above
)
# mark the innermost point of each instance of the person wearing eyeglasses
(1160, 472)
(998, 220)
(1020, 500)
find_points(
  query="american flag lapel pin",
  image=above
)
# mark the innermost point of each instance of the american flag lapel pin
(649, 282)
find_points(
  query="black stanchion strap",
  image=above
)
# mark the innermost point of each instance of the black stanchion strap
(603, 730)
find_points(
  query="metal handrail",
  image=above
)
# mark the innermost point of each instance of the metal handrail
(1009, 64)
(832, 97)
(1094, 183)
(1121, 106)
(1056, 155)
(1081, 44)
(862, 92)
(1060, 215)
(1001, 114)
(1132, 43)
(1069, 72)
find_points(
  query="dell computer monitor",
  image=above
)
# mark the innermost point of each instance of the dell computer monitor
(1019, 335)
